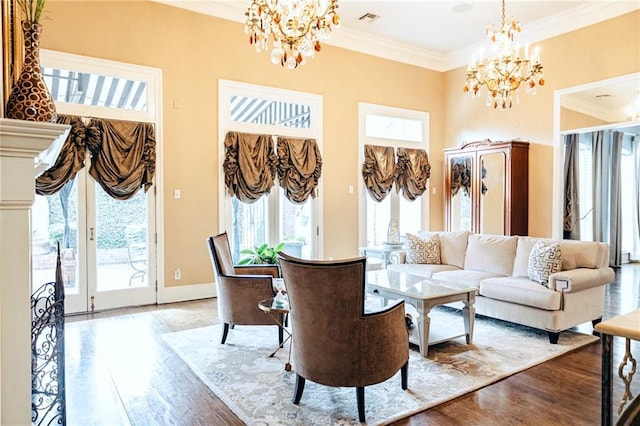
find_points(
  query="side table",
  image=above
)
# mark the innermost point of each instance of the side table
(385, 253)
(277, 311)
(627, 326)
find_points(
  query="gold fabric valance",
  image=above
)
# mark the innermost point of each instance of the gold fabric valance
(299, 168)
(70, 159)
(461, 175)
(378, 170)
(413, 171)
(249, 165)
(124, 157)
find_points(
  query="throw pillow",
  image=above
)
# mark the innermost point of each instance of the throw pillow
(545, 259)
(421, 250)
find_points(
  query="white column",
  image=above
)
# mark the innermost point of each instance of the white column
(26, 148)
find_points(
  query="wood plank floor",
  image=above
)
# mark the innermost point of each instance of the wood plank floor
(119, 371)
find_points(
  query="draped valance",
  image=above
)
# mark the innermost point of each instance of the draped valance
(70, 159)
(299, 168)
(249, 165)
(378, 170)
(413, 171)
(122, 160)
(123, 156)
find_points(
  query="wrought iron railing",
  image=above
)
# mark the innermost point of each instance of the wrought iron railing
(47, 353)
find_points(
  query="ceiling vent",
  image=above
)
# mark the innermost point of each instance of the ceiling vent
(369, 17)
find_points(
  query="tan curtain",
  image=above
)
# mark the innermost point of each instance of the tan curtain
(249, 165)
(378, 170)
(123, 156)
(413, 171)
(69, 161)
(299, 168)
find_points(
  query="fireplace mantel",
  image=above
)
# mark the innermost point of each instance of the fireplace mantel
(26, 150)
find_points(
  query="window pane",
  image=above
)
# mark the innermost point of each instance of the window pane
(95, 89)
(585, 191)
(378, 217)
(410, 216)
(245, 109)
(386, 127)
(249, 228)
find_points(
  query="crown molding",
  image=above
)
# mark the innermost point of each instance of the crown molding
(584, 107)
(346, 38)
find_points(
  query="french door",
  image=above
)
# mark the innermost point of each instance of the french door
(109, 248)
(107, 245)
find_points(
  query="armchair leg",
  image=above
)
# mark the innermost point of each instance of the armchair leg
(225, 331)
(404, 374)
(360, 399)
(280, 336)
(297, 392)
(553, 337)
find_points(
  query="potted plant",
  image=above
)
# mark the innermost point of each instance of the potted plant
(261, 255)
(30, 98)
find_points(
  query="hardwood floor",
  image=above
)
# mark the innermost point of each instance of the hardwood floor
(119, 371)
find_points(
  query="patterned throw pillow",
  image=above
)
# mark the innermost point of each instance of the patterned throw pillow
(545, 259)
(423, 251)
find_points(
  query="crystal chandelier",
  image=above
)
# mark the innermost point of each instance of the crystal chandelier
(505, 69)
(296, 27)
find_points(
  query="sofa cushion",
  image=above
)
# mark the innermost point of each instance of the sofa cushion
(421, 250)
(491, 253)
(581, 254)
(545, 259)
(521, 291)
(420, 269)
(453, 246)
(464, 277)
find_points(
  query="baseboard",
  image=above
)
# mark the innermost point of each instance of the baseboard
(186, 292)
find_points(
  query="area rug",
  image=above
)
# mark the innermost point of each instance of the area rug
(259, 391)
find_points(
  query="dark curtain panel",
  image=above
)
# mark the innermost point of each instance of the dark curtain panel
(615, 210)
(413, 171)
(571, 186)
(461, 175)
(123, 158)
(378, 170)
(69, 161)
(299, 168)
(249, 165)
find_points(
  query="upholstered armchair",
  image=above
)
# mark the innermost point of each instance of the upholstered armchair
(240, 288)
(335, 343)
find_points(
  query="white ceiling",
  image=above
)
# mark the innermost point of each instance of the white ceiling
(443, 34)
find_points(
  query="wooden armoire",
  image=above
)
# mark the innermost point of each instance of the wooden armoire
(487, 187)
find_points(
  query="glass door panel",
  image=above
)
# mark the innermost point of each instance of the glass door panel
(296, 227)
(121, 241)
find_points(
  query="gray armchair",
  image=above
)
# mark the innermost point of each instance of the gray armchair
(334, 342)
(240, 288)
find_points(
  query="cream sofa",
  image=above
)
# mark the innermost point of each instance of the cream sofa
(497, 266)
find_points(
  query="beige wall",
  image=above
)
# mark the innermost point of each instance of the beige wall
(601, 51)
(194, 51)
(570, 120)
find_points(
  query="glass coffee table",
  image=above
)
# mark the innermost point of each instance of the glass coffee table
(425, 293)
(277, 310)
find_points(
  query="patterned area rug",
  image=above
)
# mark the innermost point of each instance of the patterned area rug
(259, 391)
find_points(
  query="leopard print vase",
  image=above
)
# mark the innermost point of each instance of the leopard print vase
(30, 98)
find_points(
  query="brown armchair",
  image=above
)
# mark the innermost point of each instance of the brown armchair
(335, 343)
(240, 288)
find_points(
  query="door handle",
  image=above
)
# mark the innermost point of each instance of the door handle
(92, 232)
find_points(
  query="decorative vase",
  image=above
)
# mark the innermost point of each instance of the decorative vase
(30, 99)
(393, 232)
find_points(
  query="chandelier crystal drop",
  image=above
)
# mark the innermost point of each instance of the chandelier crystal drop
(506, 68)
(295, 28)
